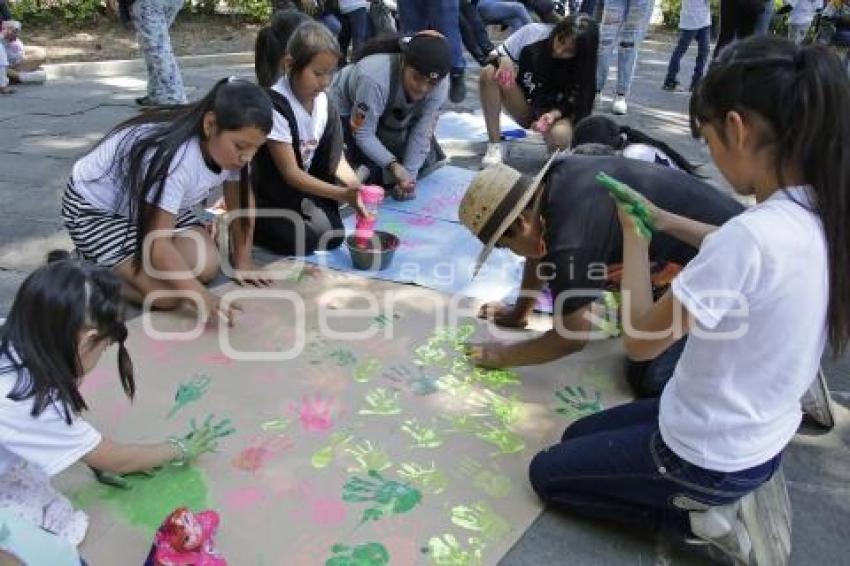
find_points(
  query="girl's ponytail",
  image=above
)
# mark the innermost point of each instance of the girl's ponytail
(803, 95)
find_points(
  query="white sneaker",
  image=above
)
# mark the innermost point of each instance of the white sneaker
(493, 155)
(619, 105)
(816, 402)
(722, 528)
(33, 77)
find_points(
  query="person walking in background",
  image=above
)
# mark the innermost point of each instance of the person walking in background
(694, 23)
(738, 20)
(354, 15)
(151, 20)
(800, 16)
(443, 16)
(623, 24)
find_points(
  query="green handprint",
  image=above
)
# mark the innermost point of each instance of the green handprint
(188, 392)
(455, 337)
(507, 411)
(480, 518)
(389, 496)
(382, 320)
(381, 401)
(369, 457)
(489, 481)
(506, 441)
(576, 403)
(446, 551)
(633, 201)
(368, 554)
(422, 436)
(495, 378)
(324, 456)
(366, 370)
(429, 355)
(454, 386)
(429, 479)
(343, 357)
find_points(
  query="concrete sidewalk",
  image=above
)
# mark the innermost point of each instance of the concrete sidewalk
(46, 127)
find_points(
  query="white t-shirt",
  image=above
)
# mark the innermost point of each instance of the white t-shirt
(648, 153)
(694, 14)
(524, 36)
(348, 6)
(311, 126)
(46, 441)
(189, 181)
(735, 403)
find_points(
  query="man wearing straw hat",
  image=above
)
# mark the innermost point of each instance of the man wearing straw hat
(565, 224)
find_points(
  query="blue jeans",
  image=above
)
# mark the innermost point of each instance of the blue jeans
(647, 379)
(614, 465)
(355, 29)
(512, 14)
(331, 22)
(442, 15)
(624, 24)
(703, 37)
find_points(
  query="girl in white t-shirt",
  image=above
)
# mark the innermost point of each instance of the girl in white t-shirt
(129, 205)
(758, 303)
(65, 315)
(630, 143)
(295, 174)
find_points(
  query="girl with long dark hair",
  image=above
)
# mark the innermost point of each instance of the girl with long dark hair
(544, 77)
(129, 202)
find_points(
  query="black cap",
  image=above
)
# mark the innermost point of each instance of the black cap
(429, 53)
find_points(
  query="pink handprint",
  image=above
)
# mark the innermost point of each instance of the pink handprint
(316, 413)
(255, 456)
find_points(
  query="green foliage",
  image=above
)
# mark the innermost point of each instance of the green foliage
(90, 12)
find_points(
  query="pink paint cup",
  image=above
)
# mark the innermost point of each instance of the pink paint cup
(371, 195)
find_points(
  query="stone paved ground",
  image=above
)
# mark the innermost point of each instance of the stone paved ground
(44, 128)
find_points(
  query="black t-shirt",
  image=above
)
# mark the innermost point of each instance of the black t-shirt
(583, 233)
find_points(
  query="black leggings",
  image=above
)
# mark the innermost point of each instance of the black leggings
(322, 228)
(736, 22)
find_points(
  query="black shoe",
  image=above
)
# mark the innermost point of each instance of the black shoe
(147, 102)
(670, 86)
(457, 89)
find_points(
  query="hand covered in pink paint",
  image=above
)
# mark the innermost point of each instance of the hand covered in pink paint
(505, 75)
(544, 123)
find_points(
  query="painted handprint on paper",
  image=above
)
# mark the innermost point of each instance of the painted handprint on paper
(576, 403)
(368, 457)
(421, 436)
(381, 401)
(189, 392)
(315, 413)
(430, 479)
(386, 496)
(446, 550)
(481, 518)
(325, 455)
(257, 455)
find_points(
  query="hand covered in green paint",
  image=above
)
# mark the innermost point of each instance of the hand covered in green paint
(204, 438)
(576, 403)
(637, 214)
(117, 480)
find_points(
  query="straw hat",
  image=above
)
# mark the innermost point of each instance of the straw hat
(494, 199)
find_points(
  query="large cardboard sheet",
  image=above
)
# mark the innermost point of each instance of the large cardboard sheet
(386, 443)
